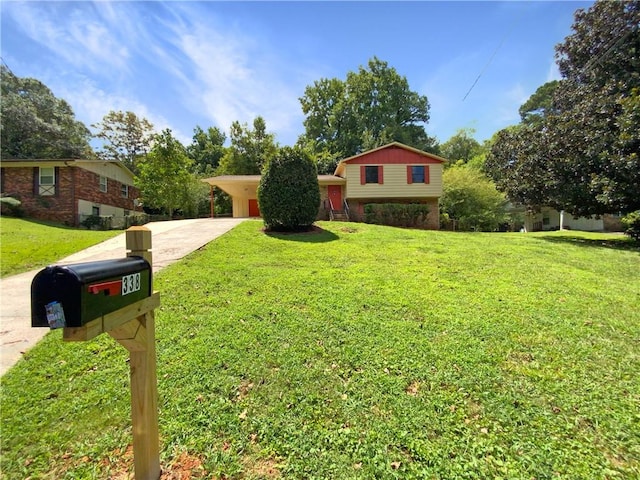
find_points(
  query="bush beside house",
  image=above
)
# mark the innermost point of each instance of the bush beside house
(289, 193)
(414, 215)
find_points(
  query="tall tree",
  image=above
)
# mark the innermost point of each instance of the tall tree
(36, 124)
(461, 147)
(250, 149)
(126, 138)
(540, 104)
(207, 149)
(591, 156)
(371, 107)
(165, 178)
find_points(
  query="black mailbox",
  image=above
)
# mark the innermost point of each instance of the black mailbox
(73, 295)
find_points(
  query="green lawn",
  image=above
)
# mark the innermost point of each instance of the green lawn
(362, 352)
(29, 244)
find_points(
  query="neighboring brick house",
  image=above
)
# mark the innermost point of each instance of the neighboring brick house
(68, 191)
(393, 173)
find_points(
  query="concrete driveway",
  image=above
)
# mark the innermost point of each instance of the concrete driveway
(170, 242)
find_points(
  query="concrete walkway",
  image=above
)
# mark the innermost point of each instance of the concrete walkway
(170, 242)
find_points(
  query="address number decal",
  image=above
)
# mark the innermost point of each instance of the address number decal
(130, 283)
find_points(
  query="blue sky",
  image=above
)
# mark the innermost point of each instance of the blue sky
(182, 64)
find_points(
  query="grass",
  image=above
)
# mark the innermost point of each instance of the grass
(28, 244)
(361, 352)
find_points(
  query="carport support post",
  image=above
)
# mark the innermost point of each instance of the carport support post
(144, 389)
(212, 201)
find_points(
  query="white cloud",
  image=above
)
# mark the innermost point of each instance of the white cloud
(69, 31)
(91, 104)
(227, 75)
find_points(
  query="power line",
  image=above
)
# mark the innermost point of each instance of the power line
(5, 64)
(513, 26)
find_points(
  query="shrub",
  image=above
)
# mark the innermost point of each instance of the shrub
(97, 222)
(471, 200)
(631, 224)
(289, 194)
(12, 207)
(397, 214)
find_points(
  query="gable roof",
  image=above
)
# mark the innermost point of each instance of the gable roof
(432, 158)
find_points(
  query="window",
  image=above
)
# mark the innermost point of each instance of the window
(95, 211)
(103, 183)
(370, 174)
(417, 174)
(125, 190)
(47, 181)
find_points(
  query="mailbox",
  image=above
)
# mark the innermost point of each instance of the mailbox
(73, 295)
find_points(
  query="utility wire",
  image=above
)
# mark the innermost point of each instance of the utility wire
(493, 55)
(5, 64)
(607, 49)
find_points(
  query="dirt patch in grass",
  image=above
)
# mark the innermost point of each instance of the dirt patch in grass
(267, 468)
(184, 467)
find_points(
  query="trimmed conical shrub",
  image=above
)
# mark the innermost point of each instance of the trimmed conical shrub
(289, 194)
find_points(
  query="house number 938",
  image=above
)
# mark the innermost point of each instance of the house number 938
(130, 283)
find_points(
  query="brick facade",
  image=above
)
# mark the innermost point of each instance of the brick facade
(72, 183)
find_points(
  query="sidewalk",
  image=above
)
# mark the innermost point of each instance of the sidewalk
(170, 242)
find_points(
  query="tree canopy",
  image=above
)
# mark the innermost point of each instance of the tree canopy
(250, 149)
(539, 104)
(471, 199)
(207, 149)
(165, 179)
(126, 137)
(583, 153)
(461, 147)
(36, 124)
(370, 108)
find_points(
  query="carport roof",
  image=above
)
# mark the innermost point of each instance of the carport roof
(221, 180)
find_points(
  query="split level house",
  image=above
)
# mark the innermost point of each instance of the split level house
(393, 173)
(69, 191)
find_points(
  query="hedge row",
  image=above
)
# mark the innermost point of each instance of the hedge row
(397, 214)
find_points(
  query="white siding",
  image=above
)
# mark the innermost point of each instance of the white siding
(109, 170)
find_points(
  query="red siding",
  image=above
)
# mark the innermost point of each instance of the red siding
(393, 155)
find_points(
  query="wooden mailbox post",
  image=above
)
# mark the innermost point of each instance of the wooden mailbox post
(134, 328)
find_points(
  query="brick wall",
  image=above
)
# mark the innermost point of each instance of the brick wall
(72, 184)
(88, 188)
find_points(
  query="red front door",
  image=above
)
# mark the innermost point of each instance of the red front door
(254, 211)
(335, 195)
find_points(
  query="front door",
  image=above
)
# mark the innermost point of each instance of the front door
(335, 195)
(254, 211)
